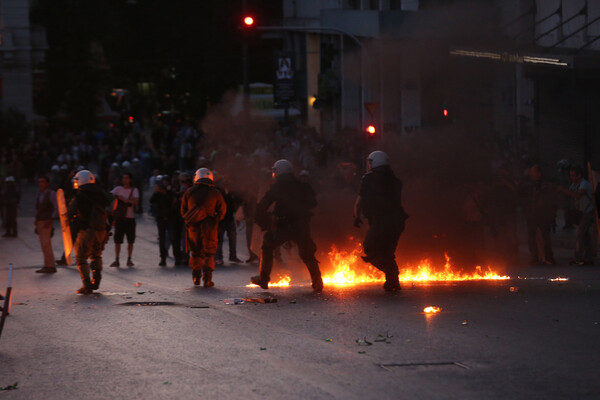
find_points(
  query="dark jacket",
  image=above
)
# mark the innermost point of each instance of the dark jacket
(161, 204)
(202, 208)
(381, 194)
(83, 202)
(293, 201)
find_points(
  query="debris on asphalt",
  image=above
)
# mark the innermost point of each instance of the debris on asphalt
(465, 322)
(362, 352)
(261, 300)
(166, 383)
(514, 289)
(137, 284)
(263, 348)
(141, 291)
(293, 301)
(329, 340)
(10, 387)
(363, 342)
(234, 301)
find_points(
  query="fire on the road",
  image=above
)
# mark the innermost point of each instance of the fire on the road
(347, 269)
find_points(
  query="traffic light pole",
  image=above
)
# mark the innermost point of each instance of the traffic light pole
(245, 81)
(329, 30)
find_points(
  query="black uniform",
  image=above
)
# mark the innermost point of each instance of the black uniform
(380, 202)
(87, 210)
(290, 221)
(161, 205)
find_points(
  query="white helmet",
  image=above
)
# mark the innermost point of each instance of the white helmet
(281, 167)
(83, 177)
(55, 168)
(377, 159)
(125, 164)
(203, 173)
(9, 179)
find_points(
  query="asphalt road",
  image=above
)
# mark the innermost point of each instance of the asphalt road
(541, 341)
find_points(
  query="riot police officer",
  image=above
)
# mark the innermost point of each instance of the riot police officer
(87, 210)
(202, 208)
(290, 221)
(380, 201)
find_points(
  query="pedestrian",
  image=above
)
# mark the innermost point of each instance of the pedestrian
(580, 192)
(501, 202)
(125, 225)
(293, 201)
(46, 212)
(87, 210)
(539, 207)
(380, 202)
(249, 201)
(228, 224)
(202, 208)
(10, 197)
(161, 203)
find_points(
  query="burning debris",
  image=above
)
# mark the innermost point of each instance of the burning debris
(432, 310)
(346, 271)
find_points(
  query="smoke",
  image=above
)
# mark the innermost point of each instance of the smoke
(444, 163)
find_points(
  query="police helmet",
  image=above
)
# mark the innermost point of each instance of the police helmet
(377, 159)
(281, 167)
(83, 177)
(203, 173)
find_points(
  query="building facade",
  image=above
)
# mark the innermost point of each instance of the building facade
(22, 47)
(524, 72)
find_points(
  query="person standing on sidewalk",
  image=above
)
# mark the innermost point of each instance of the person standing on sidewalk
(581, 193)
(46, 211)
(125, 226)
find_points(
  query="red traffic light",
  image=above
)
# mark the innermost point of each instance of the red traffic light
(248, 21)
(371, 130)
(445, 112)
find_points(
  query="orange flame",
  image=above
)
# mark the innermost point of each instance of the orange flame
(432, 310)
(282, 282)
(346, 271)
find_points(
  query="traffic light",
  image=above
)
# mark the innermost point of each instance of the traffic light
(248, 21)
(445, 113)
(371, 130)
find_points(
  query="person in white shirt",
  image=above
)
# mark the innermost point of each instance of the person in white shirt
(125, 226)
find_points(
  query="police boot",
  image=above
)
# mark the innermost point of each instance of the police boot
(86, 288)
(96, 278)
(208, 278)
(197, 276)
(317, 284)
(392, 284)
(257, 280)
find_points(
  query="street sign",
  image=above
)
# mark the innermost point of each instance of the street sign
(284, 90)
(371, 107)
